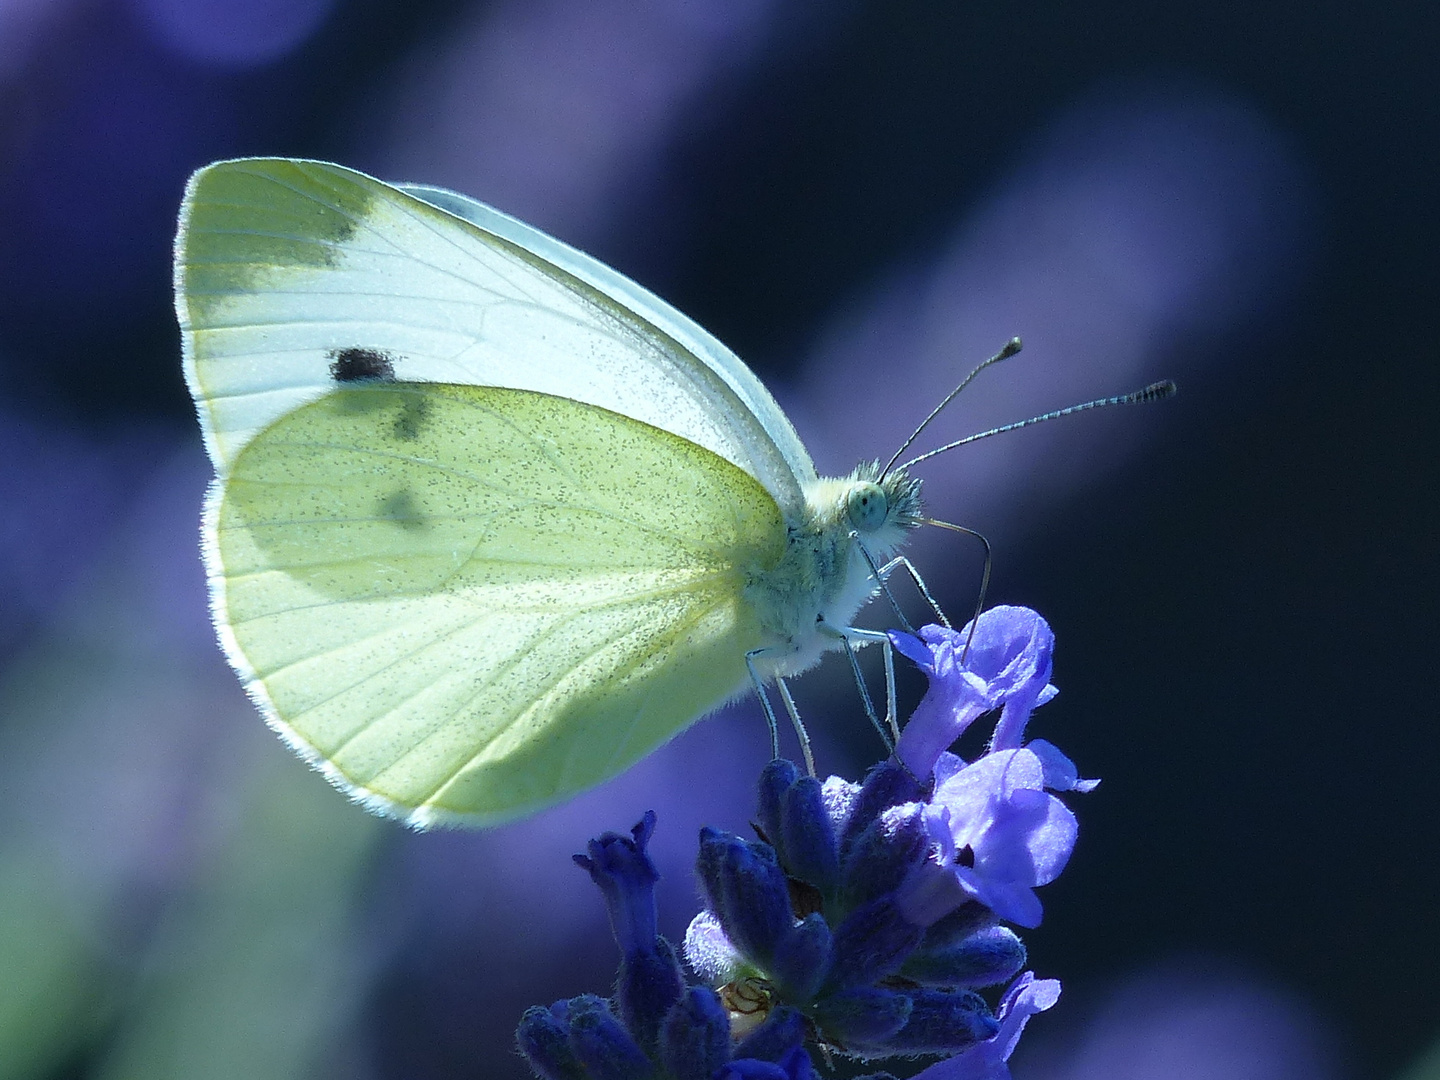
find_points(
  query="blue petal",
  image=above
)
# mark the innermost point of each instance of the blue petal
(862, 1019)
(943, 1022)
(887, 784)
(986, 958)
(796, 1066)
(626, 876)
(775, 781)
(807, 842)
(871, 943)
(602, 1045)
(650, 983)
(958, 925)
(751, 1069)
(695, 1038)
(987, 1060)
(802, 960)
(913, 649)
(1060, 771)
(880, 857)
(747, 892)
(545, 1041)
(782, 1033)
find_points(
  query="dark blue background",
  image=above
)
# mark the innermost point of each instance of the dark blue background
(1244, 594)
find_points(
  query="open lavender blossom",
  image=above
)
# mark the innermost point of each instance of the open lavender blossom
(866, 918)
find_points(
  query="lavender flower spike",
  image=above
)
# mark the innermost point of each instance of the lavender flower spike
(1008, 664)
(657, 1027)
(866, 918)
(651, 981)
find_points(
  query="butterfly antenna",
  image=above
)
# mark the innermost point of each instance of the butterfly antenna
(1012, 347)
(984, 577)
(1158, 391)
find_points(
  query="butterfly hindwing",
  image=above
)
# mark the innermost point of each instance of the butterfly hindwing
(469, 602)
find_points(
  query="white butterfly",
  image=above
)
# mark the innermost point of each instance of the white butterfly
(490, 521)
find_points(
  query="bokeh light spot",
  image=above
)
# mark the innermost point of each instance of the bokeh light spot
(233, 33)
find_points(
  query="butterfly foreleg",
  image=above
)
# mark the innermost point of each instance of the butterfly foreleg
(879, 575)
(909, 567)
(867, 637)
(799, 725)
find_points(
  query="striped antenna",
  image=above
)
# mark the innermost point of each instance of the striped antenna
(1157, 391)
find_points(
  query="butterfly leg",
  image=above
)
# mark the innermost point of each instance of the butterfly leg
(848, 637)
(892, 712)
(879, 575)
(799, 725)
(764, 700)
(909, 567)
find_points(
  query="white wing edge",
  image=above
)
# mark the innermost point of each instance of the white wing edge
(189, 367)
(420, 817)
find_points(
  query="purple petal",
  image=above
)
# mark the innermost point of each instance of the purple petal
(987, 1060)
(949, 706)
(1060, 772)
(1007, 662)
(946, 766)
(1012, 835)
(1012, 901)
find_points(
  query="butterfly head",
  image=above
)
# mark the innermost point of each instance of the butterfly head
(881, 508)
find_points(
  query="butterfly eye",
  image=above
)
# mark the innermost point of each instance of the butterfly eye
(867, 506)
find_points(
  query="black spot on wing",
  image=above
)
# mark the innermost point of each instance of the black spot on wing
(357, 365)
(413, 411)
(400, 507)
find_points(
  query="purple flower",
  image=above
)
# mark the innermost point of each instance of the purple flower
(1008, 664)
(650, 981)
(998, 834)
(657, 1027)
(814, 915)
(866, 916)
(987, 1060)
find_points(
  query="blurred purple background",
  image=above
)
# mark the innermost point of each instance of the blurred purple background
(864, 200)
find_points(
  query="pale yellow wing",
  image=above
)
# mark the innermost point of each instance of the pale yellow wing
(465, 603)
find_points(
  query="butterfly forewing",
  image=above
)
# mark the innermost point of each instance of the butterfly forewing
(282, 266)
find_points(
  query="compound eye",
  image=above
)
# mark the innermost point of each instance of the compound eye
(867, 506)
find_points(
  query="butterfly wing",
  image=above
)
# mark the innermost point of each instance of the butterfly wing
(283, 266)
(692, 339)
(465, 603)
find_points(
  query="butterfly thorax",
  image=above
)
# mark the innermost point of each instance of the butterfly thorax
(823, 578)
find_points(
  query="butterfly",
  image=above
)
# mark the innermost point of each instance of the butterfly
(490, 521)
